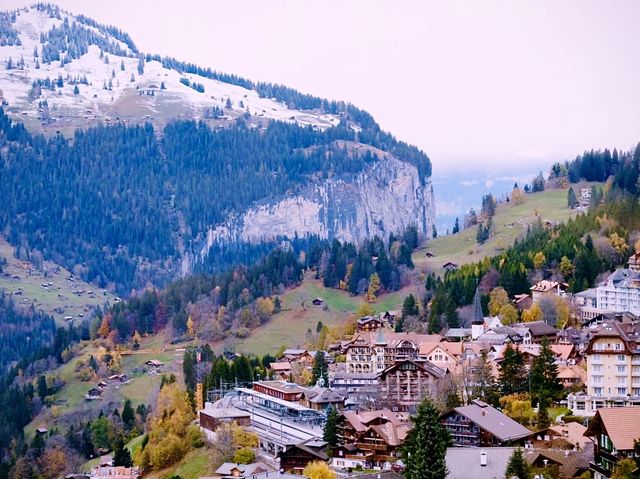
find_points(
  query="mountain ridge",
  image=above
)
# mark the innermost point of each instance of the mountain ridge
(276, 148)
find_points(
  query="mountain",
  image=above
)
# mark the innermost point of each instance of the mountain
(132, 168)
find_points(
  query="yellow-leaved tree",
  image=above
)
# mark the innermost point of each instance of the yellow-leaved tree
(497, 299)
(171, 434)
(534, 313)
(318, 470)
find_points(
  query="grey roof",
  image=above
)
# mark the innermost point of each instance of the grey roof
(587, 293)
(245, 469)
(537, 328)
(622, 278)
(275, 475)
(464, 462)
(493, 421)
(458, 332)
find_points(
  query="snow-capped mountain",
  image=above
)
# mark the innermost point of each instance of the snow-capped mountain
(115, 85)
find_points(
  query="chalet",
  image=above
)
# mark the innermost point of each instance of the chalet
(407, 382)
(318, 302)
(482, 425)
(93, 394)
(559, 463)
(391, 316)
(295, 458)
(321, 398)
(280, 390)
(213, 417)
(153, 366)
(280, 370)
(546, 288)
(429, 254)
(450, 266)
(563, 436)
(370, 323)
(379, 435)
(571, 376)
(119, 378)
(613, 431)
(232, 470)
(536, 332)
(445, 355)
(297, 356)
(350, 456)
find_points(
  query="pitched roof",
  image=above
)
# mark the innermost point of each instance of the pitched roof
(321, 395)
(563, 351)
(245, 469)
(464, 462)
(573, 432)
(537, 328)
(621, 424)
(493, 421)
(280, 366)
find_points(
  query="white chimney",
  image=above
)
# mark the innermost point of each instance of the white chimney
(483, 458)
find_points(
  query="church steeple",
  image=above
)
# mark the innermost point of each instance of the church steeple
(478, 315)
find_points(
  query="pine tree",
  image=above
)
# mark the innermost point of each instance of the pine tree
(128, 415)
(277, 305)
(320, 369)
(425, 448)
(409, 306)
(456, 227)
(512, 372)
(571, 198)
(43, 389)
(121, 455)
(140, 66)
(545, 386)
(122, 65)
(517, 466)
(330, 434)
(76, 90)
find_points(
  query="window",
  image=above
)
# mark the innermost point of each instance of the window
(597, 391)
(622, 391)
(620, 358)
(622, 369)
(622, 381)
(596, 379)
(596, 358)
(597, 368)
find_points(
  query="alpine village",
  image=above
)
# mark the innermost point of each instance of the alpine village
(203, 276)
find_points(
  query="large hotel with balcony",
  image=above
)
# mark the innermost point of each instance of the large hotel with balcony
(613, 368)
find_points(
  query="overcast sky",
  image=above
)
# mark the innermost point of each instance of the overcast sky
(475, 84)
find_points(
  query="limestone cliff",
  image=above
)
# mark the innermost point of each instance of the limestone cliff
(385, 197)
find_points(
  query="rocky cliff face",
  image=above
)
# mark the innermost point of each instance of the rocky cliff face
(385, 197)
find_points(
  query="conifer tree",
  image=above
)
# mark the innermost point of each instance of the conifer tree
(484, 382)
(513, 374)
(517, 466)
(456, 227)
(320, 369)
(330, 434)
(409, 306)
(545, 385)
(128, 415)
(121, 455)
(425, 448)
(571, 198)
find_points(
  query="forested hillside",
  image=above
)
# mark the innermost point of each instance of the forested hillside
(115, 204)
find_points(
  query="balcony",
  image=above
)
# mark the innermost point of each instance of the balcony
(369, 446)
(598, 468)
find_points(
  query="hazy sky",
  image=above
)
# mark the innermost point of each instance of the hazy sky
(474, 84)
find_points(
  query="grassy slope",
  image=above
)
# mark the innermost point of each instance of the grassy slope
(57, 300)
(510, 223)
(142, 388)
(289, 327)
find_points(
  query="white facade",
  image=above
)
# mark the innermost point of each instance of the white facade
(620, 292)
